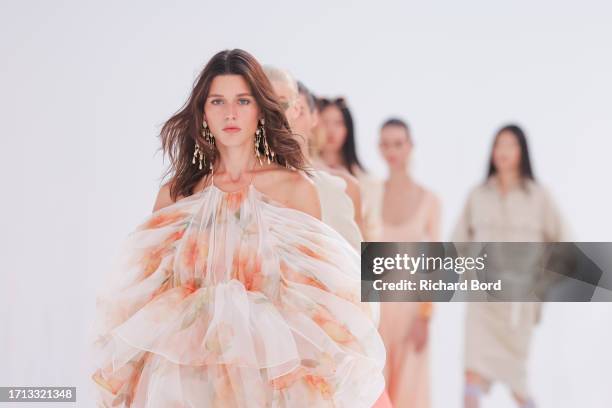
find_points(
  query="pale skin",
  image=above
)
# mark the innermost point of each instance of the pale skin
(232, 114)
(335, 131)
(402, 197)
(506, 159)
(302, 122)
(332, 123)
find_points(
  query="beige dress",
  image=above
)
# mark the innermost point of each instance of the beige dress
(498, 334)
(337, 208)
(371, 200)
(406, 371)
(338, 212)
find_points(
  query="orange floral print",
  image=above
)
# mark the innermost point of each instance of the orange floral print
(111, 385)
(196, 249)
(234, 200)
(287, 380)
(310, 252)
(182, 268)
(297, 277)
(319, 384)
(332, 327)
(163, 219)
(150, 260)
(162, 288)
(224, 391)
(246, 267)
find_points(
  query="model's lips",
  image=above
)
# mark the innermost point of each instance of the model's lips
(231, 129)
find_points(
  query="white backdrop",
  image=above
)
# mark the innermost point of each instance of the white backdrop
(86, 86)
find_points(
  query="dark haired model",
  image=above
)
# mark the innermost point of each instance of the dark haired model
(234, 293)
(339, 151)
(509, 206)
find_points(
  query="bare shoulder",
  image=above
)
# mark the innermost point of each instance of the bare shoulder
(435, 203)
(305, 195)
(291, 188)
(433, 198)
(163, 198)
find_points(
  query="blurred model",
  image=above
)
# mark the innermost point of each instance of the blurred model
(410, 213)
(509, 206)
(340, 151)
(338, 191)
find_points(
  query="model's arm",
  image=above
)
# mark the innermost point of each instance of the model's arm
(163, 198)
(463, 231)
(433, 224)
(354, 192)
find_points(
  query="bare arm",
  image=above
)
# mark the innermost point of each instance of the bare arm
(163, 198)
(433, 224)
(354, 193)
(463, 231)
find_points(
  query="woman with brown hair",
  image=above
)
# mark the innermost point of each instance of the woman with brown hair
(234, 293)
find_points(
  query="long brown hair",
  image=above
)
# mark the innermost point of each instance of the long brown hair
(182, 131)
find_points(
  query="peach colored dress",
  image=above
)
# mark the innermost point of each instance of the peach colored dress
(406, 371)
(229, 299)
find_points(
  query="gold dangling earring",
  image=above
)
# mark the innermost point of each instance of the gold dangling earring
(261, 139)
(198, 153)
(257, 141)
(208, 136)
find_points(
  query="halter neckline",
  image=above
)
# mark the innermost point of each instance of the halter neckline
(242, 188)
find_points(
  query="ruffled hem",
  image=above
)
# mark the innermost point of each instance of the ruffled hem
(236, 305)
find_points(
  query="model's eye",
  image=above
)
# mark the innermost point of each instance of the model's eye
(243, 101)
(216, 101)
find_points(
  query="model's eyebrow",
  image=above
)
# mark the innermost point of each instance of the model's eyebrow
(221, 96)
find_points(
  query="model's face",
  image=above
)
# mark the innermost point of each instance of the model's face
(231, 111)
(306, 119)
(287, 97)
(506, 153)
(333, 123)
(395, 146)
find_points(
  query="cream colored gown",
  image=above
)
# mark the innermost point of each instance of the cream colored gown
(371, 201)
(230, 299)
(337, 208)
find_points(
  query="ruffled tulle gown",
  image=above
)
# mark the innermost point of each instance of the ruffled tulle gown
(229, 299)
